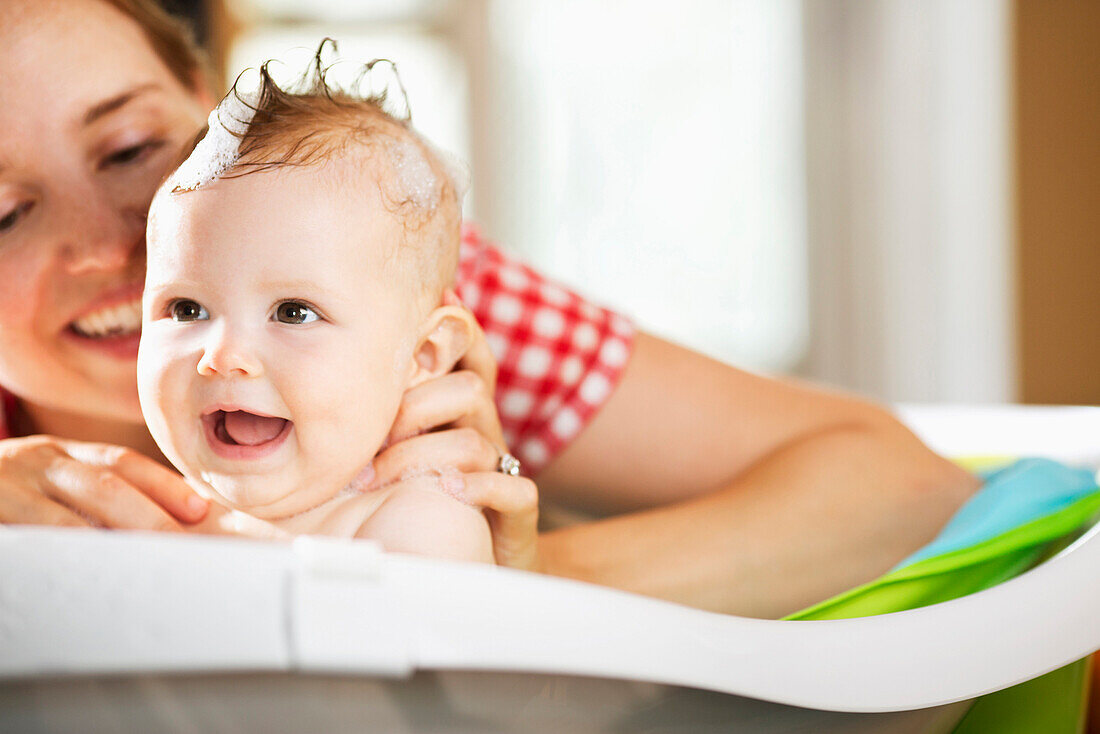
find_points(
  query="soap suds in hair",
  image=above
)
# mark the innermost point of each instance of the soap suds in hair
(415, 178)
(218, 151)
(416, 182)
(454, 168)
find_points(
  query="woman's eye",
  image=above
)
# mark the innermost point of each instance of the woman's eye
(184, 311)
(7, 221)
(130, 154)
(292, 312)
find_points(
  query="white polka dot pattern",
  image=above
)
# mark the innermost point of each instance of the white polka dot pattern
(613, 352)
(534, 362)
(498, 344)
(534, 452)
(548, 323)
(506, 310)
(585, 336)
(554, 295)
(566, 423)
(513, 278)
(621, 326)
(595, 388)
(571, 369)
(471, 295)
(516, 403)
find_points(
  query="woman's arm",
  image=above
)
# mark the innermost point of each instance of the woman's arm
(767, 496)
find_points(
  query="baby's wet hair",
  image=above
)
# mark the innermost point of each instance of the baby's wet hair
(314, 119)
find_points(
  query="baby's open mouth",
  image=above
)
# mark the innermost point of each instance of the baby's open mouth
(241, 434)
(247, 429)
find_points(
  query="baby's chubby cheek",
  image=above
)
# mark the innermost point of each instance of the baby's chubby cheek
(347, 408)
(162, 392)
(337, 444)
(339, 428)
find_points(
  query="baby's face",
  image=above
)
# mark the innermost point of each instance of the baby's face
(277, 338)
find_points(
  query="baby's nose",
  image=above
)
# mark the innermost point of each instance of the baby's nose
(228, 356)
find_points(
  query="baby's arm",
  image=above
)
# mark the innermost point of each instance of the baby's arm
(427, 522)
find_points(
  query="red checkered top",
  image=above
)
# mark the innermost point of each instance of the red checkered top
(559, 356)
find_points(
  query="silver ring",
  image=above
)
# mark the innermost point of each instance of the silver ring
(508, 465)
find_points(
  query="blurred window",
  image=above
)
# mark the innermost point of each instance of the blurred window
(649, 154)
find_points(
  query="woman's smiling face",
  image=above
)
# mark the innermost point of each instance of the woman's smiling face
(90, 121)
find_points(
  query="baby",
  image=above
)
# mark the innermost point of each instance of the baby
(297, 265)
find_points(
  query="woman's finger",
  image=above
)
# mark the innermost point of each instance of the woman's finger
(503, 493)
(461, 449)
(478, 358)
(159, 483)
(30, 507)
(105, 497)
(512, 505)
(460, 398)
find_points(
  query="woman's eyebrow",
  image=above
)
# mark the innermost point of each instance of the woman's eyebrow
(108, 106)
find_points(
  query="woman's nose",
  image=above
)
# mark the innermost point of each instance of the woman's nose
(228, 355)
(100, 236)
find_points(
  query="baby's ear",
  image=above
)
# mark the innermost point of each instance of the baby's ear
(444, 338)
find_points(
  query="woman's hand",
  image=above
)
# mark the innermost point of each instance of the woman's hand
(451, 421)
(51, 481)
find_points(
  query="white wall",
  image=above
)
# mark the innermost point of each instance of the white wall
(650, 154)
(909, 171)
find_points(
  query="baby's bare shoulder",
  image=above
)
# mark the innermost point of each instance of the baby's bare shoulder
(424, 521)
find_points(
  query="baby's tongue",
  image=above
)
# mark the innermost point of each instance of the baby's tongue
(250, 429)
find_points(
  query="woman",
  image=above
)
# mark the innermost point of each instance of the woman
(742, 494)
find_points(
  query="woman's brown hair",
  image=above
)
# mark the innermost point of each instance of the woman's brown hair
(171, 38)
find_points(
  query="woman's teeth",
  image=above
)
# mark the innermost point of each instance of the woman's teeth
(125, 318)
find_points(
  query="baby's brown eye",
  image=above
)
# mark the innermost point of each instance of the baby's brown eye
(293, 312)
(184, 310)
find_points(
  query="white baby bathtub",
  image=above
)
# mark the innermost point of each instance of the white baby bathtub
(137, 632)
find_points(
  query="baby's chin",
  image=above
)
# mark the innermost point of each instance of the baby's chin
(269, 496)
